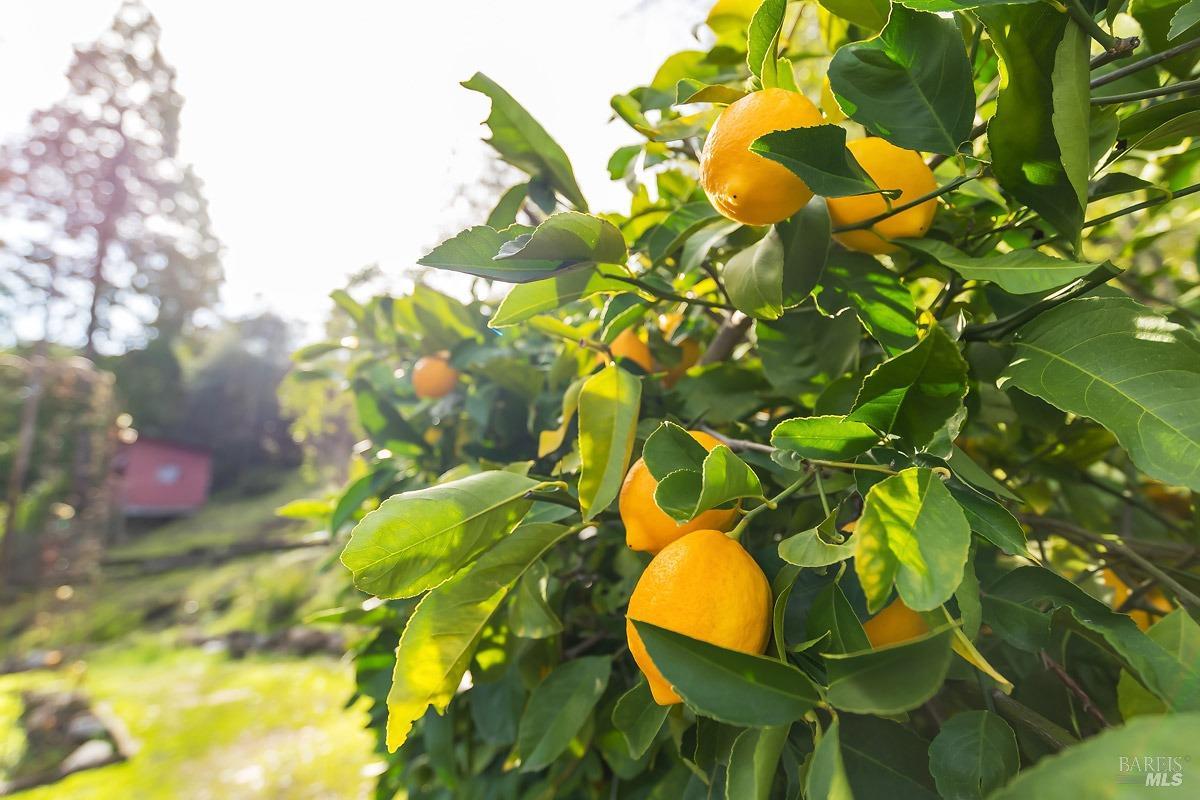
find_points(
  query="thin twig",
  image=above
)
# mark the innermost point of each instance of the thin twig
(1146, 94)
(1088, 705)
(1143, 63)
(729, 335)
(664, 295)
(1122, 48)
(1002, 327)
(925, 198)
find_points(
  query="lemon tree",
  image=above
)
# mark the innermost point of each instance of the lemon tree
(854, 458)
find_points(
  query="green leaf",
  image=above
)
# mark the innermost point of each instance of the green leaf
(1070, 100)
(508, 206)
(558, 708)
(737, 688)
(1103, 766)
(753, 762)
(1016, 272)
(1157, 119)
(870, 15)
(1157, 20)
(885, 759)
(826, 437)
(990, 520)
(891, 679)
(781, 269)
(973, 755)
(672, 448)
(669, 235)
(818, 155)
(911, 85)
(1179, 635)
(639, 718)
(1171, 678)
(826, 779)
(1187, 16)
(527, 300)
(529, 612)
(418, 539)
(881, 303)
(913, 532)
(762, 39)
(608, 413)
(444, 629)
(813, 547)
(685, 493)
(832, 614)
(1117, 362)
(939, 6)
(913, 394)
(473, 252)
(1026, 158)
(522, 142)
(569, 238)
(690, 90)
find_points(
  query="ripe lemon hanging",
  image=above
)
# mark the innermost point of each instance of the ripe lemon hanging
(705, 586)
(895, 623)
(890, 167)
(629, 345)
(433, 377)
(745, 186)
(649, 528)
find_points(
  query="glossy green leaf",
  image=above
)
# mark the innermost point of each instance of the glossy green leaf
(871, 15)
(527, 300)
(1017, 272)
(818, 155)
(1179, 635)
(570, 239)
(762, 39)
(885, 759)
(1160, 32)
(639, 718)
(884, 307)
(418, 539)
(1071, 115)
(913, 394)
(684, 493)
(1114, 763)
(974, 754)
(690, 90)
(1117, 362)
(529, 612)
(737, 688)
(826, 437)
(753, 762)
(826, 779)
(1186, 17)
(816, 547)
(669, 235)
(608, 413)
(442, 633)
(913, 532)
(832, 614)
(473, 252)
(989, 519)
(508, 206)
(1026, 157)
(672, 448)
(524, 143)
(558, 708)
(754, 278)
(1171, 678)
(911, 85)
(891, 679)
(780, 270)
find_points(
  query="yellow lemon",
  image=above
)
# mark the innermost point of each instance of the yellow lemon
(745, 186)
(433, 377)
(895, 623)
(705, 586)
(891, 167)
(649, 528)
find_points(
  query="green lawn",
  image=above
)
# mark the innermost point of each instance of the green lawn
(269, 726)
(210, 727)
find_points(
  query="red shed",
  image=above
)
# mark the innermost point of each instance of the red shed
(162, 479)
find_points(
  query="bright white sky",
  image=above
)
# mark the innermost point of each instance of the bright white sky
(333, 135)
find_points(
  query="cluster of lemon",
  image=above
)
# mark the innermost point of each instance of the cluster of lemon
(754, 190)
(703, 584)
(630, 344)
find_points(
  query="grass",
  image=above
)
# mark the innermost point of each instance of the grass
(209, 726)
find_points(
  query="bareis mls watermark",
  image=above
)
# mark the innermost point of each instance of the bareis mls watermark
(1152, 770)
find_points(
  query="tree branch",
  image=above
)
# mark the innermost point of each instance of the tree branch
(729, 335)
(1146, 94)
(1143, 63)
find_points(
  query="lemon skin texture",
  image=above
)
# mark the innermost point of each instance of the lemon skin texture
(744, 186)
(705, 586)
